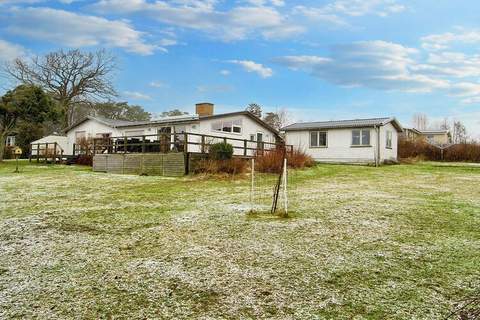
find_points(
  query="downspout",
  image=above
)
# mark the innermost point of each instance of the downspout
(377, 158)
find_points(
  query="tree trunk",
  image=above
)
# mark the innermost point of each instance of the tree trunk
(3, 137)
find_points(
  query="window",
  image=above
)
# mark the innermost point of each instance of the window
(234, 126)
(103, 135)
(237, 126)
(389, 139)
(252, 137)
(361, 137)
(318, 139)
(80, 136)
(10, 141)
(259, 136)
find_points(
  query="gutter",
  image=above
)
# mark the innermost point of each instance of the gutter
(377, 151)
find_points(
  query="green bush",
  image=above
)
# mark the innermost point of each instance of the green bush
(221, 151)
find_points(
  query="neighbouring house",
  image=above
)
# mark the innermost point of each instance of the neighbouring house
(237, 127)
(53, 143)
(347, 141)
(439, 137)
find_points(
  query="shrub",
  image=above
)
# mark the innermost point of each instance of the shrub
(85, 160)
(420, 149)
(229, 166)
(271, 161)
(221, 151)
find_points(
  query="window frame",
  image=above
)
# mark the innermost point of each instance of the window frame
(361, 136)
(233, 124)
(317, 133)
(10, 141)
(389, 140)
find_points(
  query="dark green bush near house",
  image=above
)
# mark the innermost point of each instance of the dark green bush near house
(221, 151)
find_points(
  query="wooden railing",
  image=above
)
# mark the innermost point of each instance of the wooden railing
(174, 142)
(46, 151)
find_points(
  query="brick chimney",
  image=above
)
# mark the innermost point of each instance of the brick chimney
(204, 109)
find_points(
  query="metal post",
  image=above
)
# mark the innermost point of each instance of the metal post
(252, 187)
(94, 146)
(125, 140)
(143, 144)
(285, 199)
(38, 152)
(245, 144)
(203, 144)
(185, 148)
(55, 153)
(46, 153)
(16, 168)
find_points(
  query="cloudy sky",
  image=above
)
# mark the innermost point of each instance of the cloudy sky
(322, 59)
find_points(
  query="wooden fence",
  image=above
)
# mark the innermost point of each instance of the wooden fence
(174, 142)
(46, 151)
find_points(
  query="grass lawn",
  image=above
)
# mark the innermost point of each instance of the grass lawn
(396, 242)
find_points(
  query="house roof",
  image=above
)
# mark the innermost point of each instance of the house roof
(173, 119)
(248, 114)
(108, 122)
(434, 131)
(342, 124)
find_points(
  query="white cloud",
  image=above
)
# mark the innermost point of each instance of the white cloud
(238, 23)
(389, 66)
(75, 30)
(251, 66)
(10, 51)
(445, 40)
(225, 72)
(136, 95)
(337, 11)
(157, 84)
(373, 64)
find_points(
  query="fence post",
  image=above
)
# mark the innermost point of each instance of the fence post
(203, 144)
(285, 199)
(252, 186)
(30, 147)
(74, 149)
(143, 144)
(46, 153)
(55, 153)
(94, 147)
(185, 148)
(245, 143)
(125, 141)
(38, 152)
(225, 140)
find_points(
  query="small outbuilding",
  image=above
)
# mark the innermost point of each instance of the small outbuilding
(347, 141)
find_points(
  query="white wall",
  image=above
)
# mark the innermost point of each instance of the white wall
(249, 127)
(203, 126)
(91, 128)
(62, 141)
(390, 154)
(339, 146)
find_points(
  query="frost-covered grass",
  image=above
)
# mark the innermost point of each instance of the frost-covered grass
(396, 242)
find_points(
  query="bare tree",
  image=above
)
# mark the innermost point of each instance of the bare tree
(459, 132)
(420, 121)
(278, 119)
(71, 77)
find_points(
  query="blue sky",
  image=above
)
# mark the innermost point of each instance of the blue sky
(320, 60)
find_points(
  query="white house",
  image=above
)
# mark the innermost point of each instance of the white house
(235, 126)
(347, 141)
(45, 144)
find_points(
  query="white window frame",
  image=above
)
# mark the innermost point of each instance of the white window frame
(389, 140)
(10, 141)
(232, 124)
(317, 133)
(362, 144)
